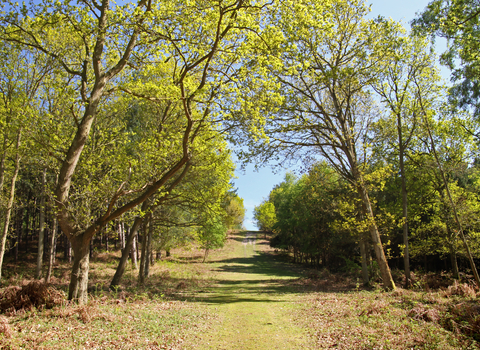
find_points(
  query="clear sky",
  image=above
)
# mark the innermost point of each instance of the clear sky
(254, 186)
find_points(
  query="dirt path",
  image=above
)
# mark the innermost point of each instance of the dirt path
(253, 299)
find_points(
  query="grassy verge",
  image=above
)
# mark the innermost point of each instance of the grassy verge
(108, 324)
(153, 316)
(379, 320)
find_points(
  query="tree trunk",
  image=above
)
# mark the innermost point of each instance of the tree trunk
(11, 198)
(55, 241)
(51, 255)
(149, 247)
(143, 261)
(27, 226)
(363, 252)
(2, 161)
(41, 232)
(121, 234)
(453, 257)
(406, 255)
(78, 289)
(377, 242)
(18, 233)
(106, 240)
(133, 250)
(125, 252)
(67, 249)
(153, 256)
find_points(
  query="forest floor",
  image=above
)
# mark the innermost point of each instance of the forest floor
(246, 296)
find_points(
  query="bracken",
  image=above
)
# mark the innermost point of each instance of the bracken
(34, 294)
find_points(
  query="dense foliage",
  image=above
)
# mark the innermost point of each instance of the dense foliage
(115, 120)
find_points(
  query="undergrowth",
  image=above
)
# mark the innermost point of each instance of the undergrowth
(337, 310)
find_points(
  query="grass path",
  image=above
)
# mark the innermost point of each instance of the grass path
(253, 299)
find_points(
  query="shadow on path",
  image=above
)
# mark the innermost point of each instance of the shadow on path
(263, 276)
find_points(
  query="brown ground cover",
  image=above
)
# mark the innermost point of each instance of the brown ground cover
(246, 295)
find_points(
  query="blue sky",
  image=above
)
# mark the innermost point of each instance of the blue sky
(254, 186)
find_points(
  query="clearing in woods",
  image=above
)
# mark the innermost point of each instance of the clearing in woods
(245, 297)
(254, 299)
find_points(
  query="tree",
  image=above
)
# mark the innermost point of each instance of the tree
(235, 210)
(103, 47)
(457, 21)
(323, 70)
(20, 77)
(396, 87)
(311, 218)
(425, 111)
(264, 216)
(190, 201)
(212, 235)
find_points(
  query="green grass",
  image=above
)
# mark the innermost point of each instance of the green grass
(254, 299)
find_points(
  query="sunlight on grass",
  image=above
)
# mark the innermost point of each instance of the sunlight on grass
(246, 296)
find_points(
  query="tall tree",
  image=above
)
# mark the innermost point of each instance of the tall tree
(427, 114)
(264, 216)
(101, 46)
(323, 69)
(396, 86)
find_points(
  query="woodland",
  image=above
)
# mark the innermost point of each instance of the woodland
(118, 123)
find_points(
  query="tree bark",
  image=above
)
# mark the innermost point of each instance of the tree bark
(78, 288)
(406, 255)
(149, 247)
(388, 282)
(133, 250)
(141, 272)
(67, 249)
(18, 233)
(2, 162)
(121, 234)
(27, 226)
(125, 252)
(453, 258)
(106, 240)
(41, 232)
(363, 252)
(51, 254)
(11, 199)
